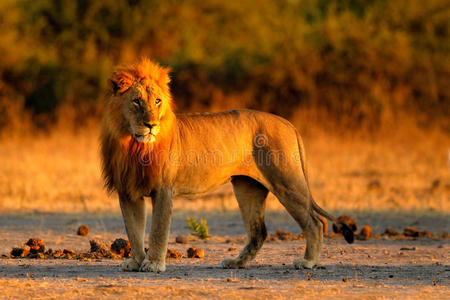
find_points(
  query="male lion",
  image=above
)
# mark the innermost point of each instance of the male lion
(148, 150)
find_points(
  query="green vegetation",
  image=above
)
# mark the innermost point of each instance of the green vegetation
(199, 228)
(359, 62)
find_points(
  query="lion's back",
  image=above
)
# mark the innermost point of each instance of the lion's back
(239, 119)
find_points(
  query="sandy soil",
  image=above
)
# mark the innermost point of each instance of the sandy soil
(373, 268)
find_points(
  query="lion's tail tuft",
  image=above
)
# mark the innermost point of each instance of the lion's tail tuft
(346, 231)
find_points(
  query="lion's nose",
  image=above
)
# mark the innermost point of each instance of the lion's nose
(148, 125)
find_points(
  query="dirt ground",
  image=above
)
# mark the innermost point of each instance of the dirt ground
(366, 269)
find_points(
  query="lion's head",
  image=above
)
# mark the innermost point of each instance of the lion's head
(137, 127)
(140, 100)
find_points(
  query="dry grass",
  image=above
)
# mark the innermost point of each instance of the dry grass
(60, 172)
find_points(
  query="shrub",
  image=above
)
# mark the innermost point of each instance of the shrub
(198, 228)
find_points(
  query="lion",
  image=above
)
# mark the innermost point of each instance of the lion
(149, 151)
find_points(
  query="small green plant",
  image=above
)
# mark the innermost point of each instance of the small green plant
(198, 228)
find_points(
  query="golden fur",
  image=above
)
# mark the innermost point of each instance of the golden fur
(147, 150)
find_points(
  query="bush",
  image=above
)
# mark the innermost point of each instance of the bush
(361, 62)
(198, 228)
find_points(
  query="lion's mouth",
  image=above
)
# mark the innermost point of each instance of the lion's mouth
(139, 137)
(144, 138)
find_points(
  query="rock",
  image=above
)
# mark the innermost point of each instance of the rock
(36, 245)
(324, 223)
(366, 232)
(70, 256)
(173, 254)
(391, 231)
(97, 245)
(20, 251)
(69, 251)
(427, 234)
(181, 239)
(58, 253)
(101, 249)
(38, 255)
(83, 230)
(347, 220)
(121, 247)
(195, 253)
(411, 232)
(26, 250)
(16, 251)
(285, 235)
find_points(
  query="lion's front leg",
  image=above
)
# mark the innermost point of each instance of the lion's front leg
(155, 260)
(134, 216)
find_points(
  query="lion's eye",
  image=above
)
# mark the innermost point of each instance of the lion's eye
(137, 101)
(157, 101)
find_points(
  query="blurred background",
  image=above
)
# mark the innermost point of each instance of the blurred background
(366, 82)
(357, 63)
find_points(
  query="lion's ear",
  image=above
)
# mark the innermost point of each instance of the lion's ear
(120, 82)
(113, 86)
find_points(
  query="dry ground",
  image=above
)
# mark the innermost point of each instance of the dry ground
(49, 185)
(371, 269)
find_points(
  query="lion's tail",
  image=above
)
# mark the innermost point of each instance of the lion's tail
(346, 231)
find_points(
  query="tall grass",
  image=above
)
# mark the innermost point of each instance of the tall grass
(404, 171)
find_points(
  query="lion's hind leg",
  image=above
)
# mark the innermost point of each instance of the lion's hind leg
(298, 205)
(313, 233)
(251, 196)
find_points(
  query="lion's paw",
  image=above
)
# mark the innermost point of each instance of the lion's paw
(152, 266)
(301, 263)
(231, 263)
(130, 265)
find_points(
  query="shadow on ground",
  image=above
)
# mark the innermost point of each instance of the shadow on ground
(109, 269)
